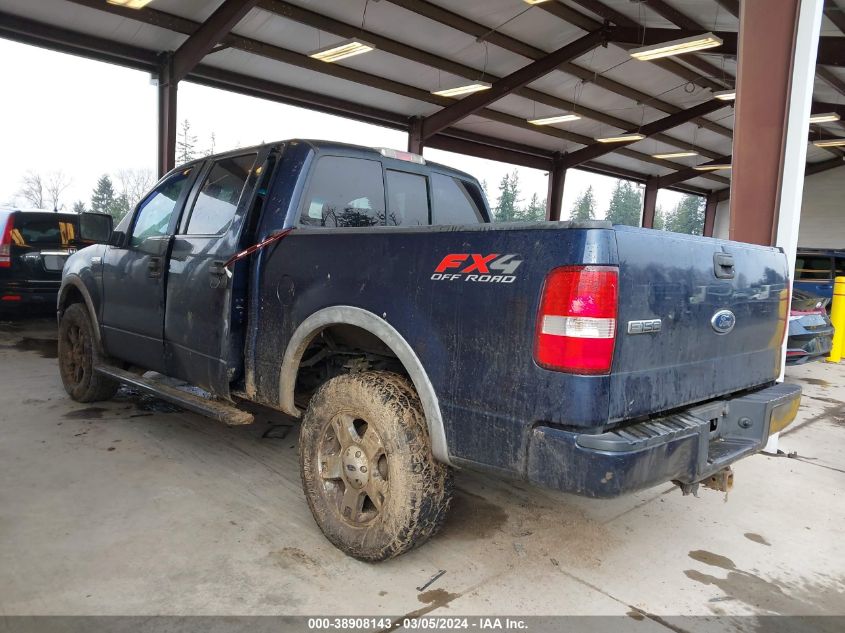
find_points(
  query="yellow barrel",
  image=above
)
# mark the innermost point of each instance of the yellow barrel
(837, 316)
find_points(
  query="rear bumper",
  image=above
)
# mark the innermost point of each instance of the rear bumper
(19, 293)
(687, 447)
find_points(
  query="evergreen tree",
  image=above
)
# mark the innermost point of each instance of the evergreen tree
(506, 208)
(626, 204)
(688, 216)
(185, 144)
(585, 206)
(659, 219)
(79, 207)
(103, 198)
(535, 211)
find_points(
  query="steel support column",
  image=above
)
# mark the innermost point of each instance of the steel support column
(554, 197)
(650, 202)
(766, 73)
(778, 43)
(166, 116)
(415, 138)
(710, 213)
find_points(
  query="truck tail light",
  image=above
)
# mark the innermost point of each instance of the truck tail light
(6, 242)
(576, 326)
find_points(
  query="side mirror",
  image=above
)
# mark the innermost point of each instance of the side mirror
(95, 227)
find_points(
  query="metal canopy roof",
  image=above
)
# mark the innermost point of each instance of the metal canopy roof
(425, 45)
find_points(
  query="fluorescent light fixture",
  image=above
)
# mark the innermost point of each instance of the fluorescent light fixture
(676, 47)
(825, 117)
(675, 154)
(725, 95)
(621, 138)
(559, 118)
(130, 4)
(831, 142)
(712, 167)
(342, 50)
(533, 1)
(462, 90)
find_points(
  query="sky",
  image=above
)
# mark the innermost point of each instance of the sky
(86, 118)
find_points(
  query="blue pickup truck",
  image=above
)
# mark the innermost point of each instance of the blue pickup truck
(367, 292)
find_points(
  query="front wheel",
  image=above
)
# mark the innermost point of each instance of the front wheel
(368, 474)
(78, 354)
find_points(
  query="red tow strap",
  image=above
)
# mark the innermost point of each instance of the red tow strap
(275, 237)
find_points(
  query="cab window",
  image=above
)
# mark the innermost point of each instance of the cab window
(221, 192)
(344, 192)
(156, 210)
(455, 201)
(407, 199)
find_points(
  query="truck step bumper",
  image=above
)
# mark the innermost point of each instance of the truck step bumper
(688, 446)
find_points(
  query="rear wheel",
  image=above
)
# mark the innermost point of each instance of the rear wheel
(78, 354)
(370, 479)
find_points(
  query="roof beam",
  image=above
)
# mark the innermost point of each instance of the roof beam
(270, 51)
(468, 27)
(686, 174)
(63, 40)
(206, 37)
(731, 6)
(669, 65)
(817, 168)
(506, 85)
(836, 15)
(661, 125)
(324, 23)
(831, 49)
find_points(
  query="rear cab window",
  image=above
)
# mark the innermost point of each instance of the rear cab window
(344, 192)
(349, 191)
(456, 201)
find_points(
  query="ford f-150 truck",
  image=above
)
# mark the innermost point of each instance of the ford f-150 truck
(367, 292)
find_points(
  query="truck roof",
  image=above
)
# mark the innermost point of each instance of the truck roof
(349, 149)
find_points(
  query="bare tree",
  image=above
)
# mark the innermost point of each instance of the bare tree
(32, 190)
(134, 183)
(57, 183)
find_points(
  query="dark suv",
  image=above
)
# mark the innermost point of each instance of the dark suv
(34, 246)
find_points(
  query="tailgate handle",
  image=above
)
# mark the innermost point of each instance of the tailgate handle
(723, 265)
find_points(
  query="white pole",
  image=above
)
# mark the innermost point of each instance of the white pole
(795, 154)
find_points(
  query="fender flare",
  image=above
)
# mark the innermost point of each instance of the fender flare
(375, 325)
(75, 282)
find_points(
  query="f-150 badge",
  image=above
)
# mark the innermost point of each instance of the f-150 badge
(648, 326)
(492, 268)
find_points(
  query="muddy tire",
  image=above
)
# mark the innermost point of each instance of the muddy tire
(78, 353)
(368, 474)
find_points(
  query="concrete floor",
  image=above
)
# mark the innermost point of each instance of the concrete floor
(131, 507)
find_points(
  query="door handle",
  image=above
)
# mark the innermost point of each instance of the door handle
(154, 267)
(218, 267)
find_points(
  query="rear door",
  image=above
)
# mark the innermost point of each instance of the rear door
(135, 274)
(722, 310)
(199, 291)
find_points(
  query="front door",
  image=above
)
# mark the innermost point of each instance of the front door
(198, 319)
(134, 276)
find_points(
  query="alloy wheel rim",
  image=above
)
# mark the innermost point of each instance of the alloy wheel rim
(75, 359)
(353, 469)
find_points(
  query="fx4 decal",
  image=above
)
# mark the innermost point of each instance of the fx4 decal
(492, 268)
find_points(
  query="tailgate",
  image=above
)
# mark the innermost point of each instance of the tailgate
(720, 326)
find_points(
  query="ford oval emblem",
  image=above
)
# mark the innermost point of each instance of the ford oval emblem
(723, 321)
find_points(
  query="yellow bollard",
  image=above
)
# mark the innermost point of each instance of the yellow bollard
(837, 316)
